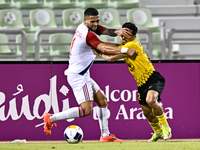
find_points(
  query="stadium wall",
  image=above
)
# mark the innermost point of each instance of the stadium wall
(29, 89)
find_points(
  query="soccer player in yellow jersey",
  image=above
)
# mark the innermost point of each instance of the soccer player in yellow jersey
(150, 83)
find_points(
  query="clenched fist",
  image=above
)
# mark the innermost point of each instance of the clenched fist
(132, 53)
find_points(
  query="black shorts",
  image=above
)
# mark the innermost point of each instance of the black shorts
(155, 82)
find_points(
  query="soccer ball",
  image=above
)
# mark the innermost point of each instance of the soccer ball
(73, 134)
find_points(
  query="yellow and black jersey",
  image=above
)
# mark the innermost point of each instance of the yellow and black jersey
(141, 68)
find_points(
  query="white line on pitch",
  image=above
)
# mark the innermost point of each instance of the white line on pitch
(39, 125)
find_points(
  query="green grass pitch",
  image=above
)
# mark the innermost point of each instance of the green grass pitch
(95, 145)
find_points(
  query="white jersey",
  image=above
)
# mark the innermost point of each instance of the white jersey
(81, 55)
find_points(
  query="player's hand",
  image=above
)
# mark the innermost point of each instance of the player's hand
(132, 53)
(124, 32)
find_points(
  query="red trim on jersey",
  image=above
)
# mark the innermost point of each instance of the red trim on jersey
(81, 112)
(102, 106)
(100, 29)
(92, 39)
(86, 93)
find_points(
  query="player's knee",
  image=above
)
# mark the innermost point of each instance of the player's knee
(151, 103)
(87, 107)
(151, 100)
(103, 102)
(87, 111)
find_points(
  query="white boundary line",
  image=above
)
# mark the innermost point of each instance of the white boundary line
(38, 125)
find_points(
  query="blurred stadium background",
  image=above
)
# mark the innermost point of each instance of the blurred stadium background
(42, 29)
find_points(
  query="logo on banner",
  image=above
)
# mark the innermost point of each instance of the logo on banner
(50, 101)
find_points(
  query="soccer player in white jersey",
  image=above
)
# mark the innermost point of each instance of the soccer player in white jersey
(85, 89)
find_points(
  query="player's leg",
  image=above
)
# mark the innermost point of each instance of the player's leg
(50, 119)
(75, 112)
(154, 123)
(151, 99)
(84, 96)
(102, 113)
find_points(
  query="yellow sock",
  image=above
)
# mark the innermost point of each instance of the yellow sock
(162, 119)
(156, 127)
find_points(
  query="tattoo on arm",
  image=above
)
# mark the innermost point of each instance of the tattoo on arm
(110, 32)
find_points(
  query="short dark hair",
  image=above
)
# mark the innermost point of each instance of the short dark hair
(130, 26)
(91, 12)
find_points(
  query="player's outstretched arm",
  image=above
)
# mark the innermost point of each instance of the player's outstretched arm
(110, 58)
(117, 32)
(113, 58)
(113, 49)
(108, 48)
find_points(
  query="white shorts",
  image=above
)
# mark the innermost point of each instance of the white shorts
(83, 86)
